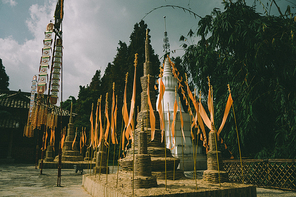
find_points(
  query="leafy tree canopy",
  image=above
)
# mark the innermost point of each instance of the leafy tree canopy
(4, 79)
(256, 55)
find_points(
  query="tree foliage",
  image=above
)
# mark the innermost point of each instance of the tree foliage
(256, 55)
(4, 79)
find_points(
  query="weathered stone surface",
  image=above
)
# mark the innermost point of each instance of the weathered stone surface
(214, 173)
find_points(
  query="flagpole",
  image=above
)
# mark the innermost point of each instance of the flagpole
(107, 147)
(174, 137)
(102, 144)
(181, 135)
(239, 148)
(120, 144)
(59, 180)
(47, 100)
(134, 152)
(190, 115)
(195, 155)
(112, 114)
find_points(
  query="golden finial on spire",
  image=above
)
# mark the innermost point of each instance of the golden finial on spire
(209, 81)
(136, 60)
(148, 79)
(199, 96)
(113, 88)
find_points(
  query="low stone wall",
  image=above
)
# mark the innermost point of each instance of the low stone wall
(180, 188)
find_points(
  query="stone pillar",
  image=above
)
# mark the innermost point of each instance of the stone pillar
(143, 177)
(49, 154)
(101, 160)
(212, 174)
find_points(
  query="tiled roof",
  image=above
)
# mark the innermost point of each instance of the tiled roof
(17, 100)
(13, 99)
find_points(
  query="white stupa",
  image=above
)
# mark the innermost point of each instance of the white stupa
(185, 155)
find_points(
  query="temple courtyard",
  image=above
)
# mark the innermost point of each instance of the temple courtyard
(25, 180)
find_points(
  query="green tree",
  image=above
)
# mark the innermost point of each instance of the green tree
(4, 79)
(256, 55)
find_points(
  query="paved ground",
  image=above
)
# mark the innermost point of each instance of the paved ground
(25, 180)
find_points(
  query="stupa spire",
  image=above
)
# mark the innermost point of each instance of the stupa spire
(147, 63)
(71, 115)
(166, 45)
(147, 52)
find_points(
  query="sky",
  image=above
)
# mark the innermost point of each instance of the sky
(92, 30)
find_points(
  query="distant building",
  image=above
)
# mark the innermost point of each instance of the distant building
(14, 108)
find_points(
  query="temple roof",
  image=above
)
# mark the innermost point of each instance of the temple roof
(14, 106)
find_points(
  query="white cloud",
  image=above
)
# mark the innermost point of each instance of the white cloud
(11, 2)
(91, 32)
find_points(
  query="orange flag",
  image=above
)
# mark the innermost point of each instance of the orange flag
(174, 119)
(81, 143)
(204, 116)
(73, 143)
(226, 112)
(107, 117)
(112, 116)
(45, 140)
(52, 137)
(96, 126)
(129, 129)
(182, 122)
(201, 125)
(152, 116)
(169, 123)
(124, 111)
(100, 121)
(115, 121)
(194, 119)
(63, 137)
(210, 102)
(159, 107)
(91, 126)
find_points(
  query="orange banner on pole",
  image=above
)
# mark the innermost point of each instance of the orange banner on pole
(152, 116)
(112, 116)
(107, 117)
(160, 108)
(100, 121)
(182, 122)
(174, 121)
(129, 129)
(91, 126)
(226, 112)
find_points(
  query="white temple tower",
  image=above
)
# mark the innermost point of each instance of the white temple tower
(186, 158)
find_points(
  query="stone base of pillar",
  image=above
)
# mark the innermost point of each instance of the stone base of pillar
(101, 169)
(213, 176)
(170, 174)
(144, 182)
(49, 155)
(213, 173)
